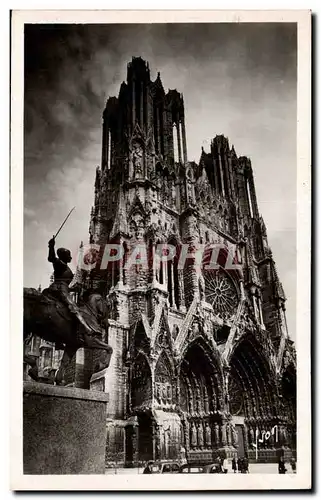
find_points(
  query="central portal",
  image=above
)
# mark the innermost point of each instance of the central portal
(200, 404)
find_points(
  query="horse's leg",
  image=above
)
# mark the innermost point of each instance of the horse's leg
(66, 358)
(105, 352)
(31, 361)
(102, 362)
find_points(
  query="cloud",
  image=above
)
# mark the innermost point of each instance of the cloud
(29, 212)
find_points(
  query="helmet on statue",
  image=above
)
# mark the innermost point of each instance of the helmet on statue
(64, 254)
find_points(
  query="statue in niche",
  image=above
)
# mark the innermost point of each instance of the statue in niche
(166, 190)
(251, 435)
(207, 435)
(174, 193)
(138, 160)
(169, 393)
(190, 196)
(228, 434)
(216, 434)
(234, 436)
(139, 229)
(200, 435)
(192, 226)
(286, 358)
(193, 436)
(164, 392)
(194, 330)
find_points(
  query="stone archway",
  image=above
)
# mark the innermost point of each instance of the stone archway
(252, 400)
(141, 401)
(201, 403)
(166, 419)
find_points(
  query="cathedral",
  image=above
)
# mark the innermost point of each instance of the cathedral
(202, 361)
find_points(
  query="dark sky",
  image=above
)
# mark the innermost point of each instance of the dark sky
(237, 79)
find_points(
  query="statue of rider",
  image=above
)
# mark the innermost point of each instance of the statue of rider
(63, 276)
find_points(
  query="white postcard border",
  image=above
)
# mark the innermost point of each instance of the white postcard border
(302, 479)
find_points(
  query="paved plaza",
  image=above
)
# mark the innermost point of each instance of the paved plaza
(254, 469)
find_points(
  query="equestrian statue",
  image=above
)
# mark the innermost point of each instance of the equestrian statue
(53, 316)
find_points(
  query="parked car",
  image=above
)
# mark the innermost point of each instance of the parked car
(164, 468)
(201, 469)
(215, 468)
(170, 468)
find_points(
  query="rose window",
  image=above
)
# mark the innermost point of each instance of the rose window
(221, 292)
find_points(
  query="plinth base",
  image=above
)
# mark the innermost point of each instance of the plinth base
(271, 455)
(64, 430)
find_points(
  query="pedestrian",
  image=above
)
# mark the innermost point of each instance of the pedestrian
(149, 468)
(219, 463)
(224, 465)
(293, 464)
(239, 464)
(282, 469)
(234, 465)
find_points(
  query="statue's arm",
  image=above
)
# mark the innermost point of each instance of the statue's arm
(52, 254)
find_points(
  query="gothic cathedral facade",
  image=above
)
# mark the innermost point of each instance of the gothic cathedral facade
(202, 360)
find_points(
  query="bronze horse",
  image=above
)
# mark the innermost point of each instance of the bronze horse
(51, 320)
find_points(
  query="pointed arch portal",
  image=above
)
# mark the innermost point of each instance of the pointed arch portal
(252, 399)
(141, 396)
(201, 401)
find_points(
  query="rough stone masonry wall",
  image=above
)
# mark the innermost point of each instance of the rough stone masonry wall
(137, 305)
(117, 387)
(116, 376)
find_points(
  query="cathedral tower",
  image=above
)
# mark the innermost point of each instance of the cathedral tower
(202, 359)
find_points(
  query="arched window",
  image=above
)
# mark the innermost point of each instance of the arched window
(249, 197)
(172, 280)
(138, 101)
(109, 152)
(175, 143)
(124, 260)
(225, 173)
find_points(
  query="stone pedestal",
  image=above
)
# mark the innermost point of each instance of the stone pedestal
(98, 381)
(64, 430)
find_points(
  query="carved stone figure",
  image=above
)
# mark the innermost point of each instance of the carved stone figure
(138, 160)
(193, 227)
(174, 194)
(207, 435)
(251, 436)
(235, 437)
(139, 233)
(228, 434)
(217, 434)
(193, 435)
(200, 435)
